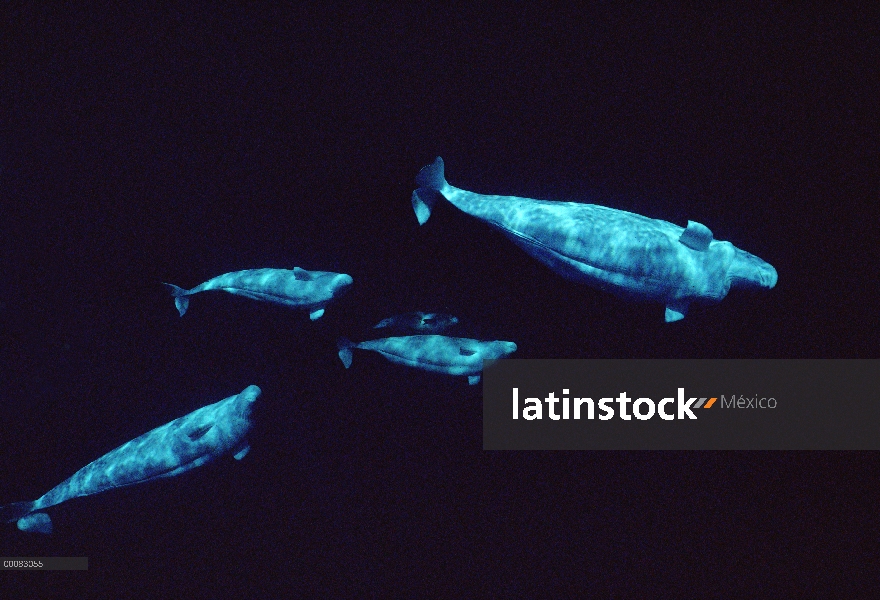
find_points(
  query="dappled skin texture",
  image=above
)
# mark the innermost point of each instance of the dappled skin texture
(173, 448)
(615, 250)
(612, 249)
(438, 353)
(296, 288)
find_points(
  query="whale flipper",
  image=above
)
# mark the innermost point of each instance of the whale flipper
(198, 432)
(316, 314)
(241, 451)
(676, 311)
(473, 379)
(384, 323)
(697, 236)
(345, 347)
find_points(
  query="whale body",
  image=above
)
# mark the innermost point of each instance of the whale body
(615, 250)
(171, 449)
(437, 353)
(419, 321)
(296, 288)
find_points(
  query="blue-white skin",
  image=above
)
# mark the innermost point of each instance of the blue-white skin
(419, 321)
(611, 249)
(437, 353)
(174, 448)
(297, 288)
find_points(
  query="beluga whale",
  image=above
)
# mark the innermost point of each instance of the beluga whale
(296, 288)
(419, 321)
(437, 353)
(615, 250)
(174, 448)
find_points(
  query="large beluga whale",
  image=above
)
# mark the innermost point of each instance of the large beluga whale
(174, 448)
(297, 288)
(611, 249)
(438, 353)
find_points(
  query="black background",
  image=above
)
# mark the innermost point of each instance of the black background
(178, 144)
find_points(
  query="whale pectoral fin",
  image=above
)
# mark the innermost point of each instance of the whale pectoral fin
(465, 351)
(473, 379)
(198, 432)
(302, 274)
(241, 451)
(345, 347)
(316, 314)
(676, 312)
(697, 236)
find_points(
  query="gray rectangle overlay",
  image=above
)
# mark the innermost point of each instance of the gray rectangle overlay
(43, 563)
(767, 404)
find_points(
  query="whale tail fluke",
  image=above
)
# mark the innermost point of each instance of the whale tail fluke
(15, 511)
(38, 522)
(345, 347)
(430, 181)
(181, 297)
(27, 520)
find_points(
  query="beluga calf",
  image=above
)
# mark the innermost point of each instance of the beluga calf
(611, 249)
(296, 288)
(437, 353)
(174, 448)
(419, 321)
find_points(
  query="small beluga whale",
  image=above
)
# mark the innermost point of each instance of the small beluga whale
(296, 288)
(171, 449)
(437, 353)
(611, 249)
(419, 321)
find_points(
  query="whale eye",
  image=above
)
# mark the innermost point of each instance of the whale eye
(466, 352)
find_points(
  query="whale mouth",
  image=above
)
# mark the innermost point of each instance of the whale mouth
(749, 271)
(251, 393)
(341, 284)
(769, 278)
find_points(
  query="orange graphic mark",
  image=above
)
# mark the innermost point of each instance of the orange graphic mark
(710, 403)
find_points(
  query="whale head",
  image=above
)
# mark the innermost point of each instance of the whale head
(244, 402)
(750, 272)
(339, 284)
(250, 394)
(498, 349)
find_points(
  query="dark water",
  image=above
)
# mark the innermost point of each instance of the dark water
(141, 147)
